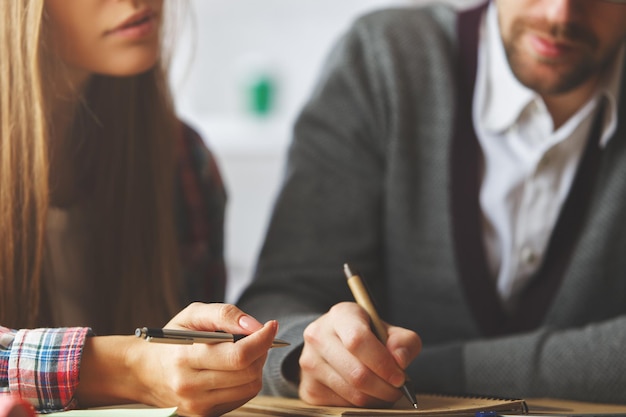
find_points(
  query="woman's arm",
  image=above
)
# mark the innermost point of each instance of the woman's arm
(42, 358)
(199, 379)
(57, 369)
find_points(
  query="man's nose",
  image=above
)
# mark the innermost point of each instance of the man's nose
(564, 11)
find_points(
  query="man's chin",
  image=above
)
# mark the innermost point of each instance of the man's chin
(549, 78)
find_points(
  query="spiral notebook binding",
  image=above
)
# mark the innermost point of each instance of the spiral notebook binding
(521, 401)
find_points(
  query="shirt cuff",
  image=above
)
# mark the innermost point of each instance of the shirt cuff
(44, 366)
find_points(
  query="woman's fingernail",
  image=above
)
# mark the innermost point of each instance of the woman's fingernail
(249, 323)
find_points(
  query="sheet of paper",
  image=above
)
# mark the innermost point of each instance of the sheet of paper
(120, 411)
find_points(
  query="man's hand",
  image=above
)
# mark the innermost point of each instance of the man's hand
(344, 364)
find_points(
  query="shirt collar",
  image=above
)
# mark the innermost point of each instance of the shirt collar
(611, 89)
(505, 97)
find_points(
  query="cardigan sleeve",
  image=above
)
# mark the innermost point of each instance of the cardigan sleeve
(328, 210)
(42, 365)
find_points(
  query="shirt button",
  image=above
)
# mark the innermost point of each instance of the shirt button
(529, 257)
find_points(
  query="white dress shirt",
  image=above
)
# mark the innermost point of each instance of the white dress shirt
(528, 166)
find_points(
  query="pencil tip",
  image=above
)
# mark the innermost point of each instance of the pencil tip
(415, 406)
(347, 271)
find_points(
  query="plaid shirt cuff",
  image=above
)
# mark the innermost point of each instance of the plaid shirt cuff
(44, 366)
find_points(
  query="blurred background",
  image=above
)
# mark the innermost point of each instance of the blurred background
(242, 69)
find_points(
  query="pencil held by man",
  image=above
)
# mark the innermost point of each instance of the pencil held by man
(345, 363)
(363, 298)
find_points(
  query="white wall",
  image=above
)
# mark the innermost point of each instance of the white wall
(222, 45)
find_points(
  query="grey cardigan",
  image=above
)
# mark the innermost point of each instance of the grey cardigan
(368, 181)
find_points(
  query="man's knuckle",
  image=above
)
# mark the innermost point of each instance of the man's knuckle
(353, 340)
(359, 399)
(359, 376)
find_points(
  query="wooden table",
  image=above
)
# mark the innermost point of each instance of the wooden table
(555, 406)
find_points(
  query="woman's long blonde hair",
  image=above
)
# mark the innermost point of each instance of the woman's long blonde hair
(125, 130)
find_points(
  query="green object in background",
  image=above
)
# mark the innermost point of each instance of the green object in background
(262, 95)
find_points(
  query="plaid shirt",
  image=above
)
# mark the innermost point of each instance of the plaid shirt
(42, 365)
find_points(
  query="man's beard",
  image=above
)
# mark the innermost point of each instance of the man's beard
(580, 64)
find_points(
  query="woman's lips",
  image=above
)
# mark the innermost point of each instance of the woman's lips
(137, 26)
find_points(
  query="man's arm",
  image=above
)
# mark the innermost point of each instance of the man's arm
(331, 207)
(583, 363)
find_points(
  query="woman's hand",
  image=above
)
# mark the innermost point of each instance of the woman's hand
(200, 379)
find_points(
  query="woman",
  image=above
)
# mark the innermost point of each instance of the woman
(111, 216)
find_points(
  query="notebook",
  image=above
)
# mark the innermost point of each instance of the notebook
(428, 404)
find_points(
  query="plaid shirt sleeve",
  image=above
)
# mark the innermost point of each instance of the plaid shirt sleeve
(42, 365)
(201, 206)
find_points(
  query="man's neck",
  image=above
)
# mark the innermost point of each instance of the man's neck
(563, 106)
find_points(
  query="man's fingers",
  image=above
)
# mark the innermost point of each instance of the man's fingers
(326, 386)
(404, 345)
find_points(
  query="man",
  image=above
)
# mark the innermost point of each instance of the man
(472, 168)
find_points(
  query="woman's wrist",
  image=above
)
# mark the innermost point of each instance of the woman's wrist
(108, 371)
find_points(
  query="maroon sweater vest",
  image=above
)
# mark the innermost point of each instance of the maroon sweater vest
(466, 162)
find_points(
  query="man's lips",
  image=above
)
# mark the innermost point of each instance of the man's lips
(550, 47)
(554, 41)
(554, 48)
